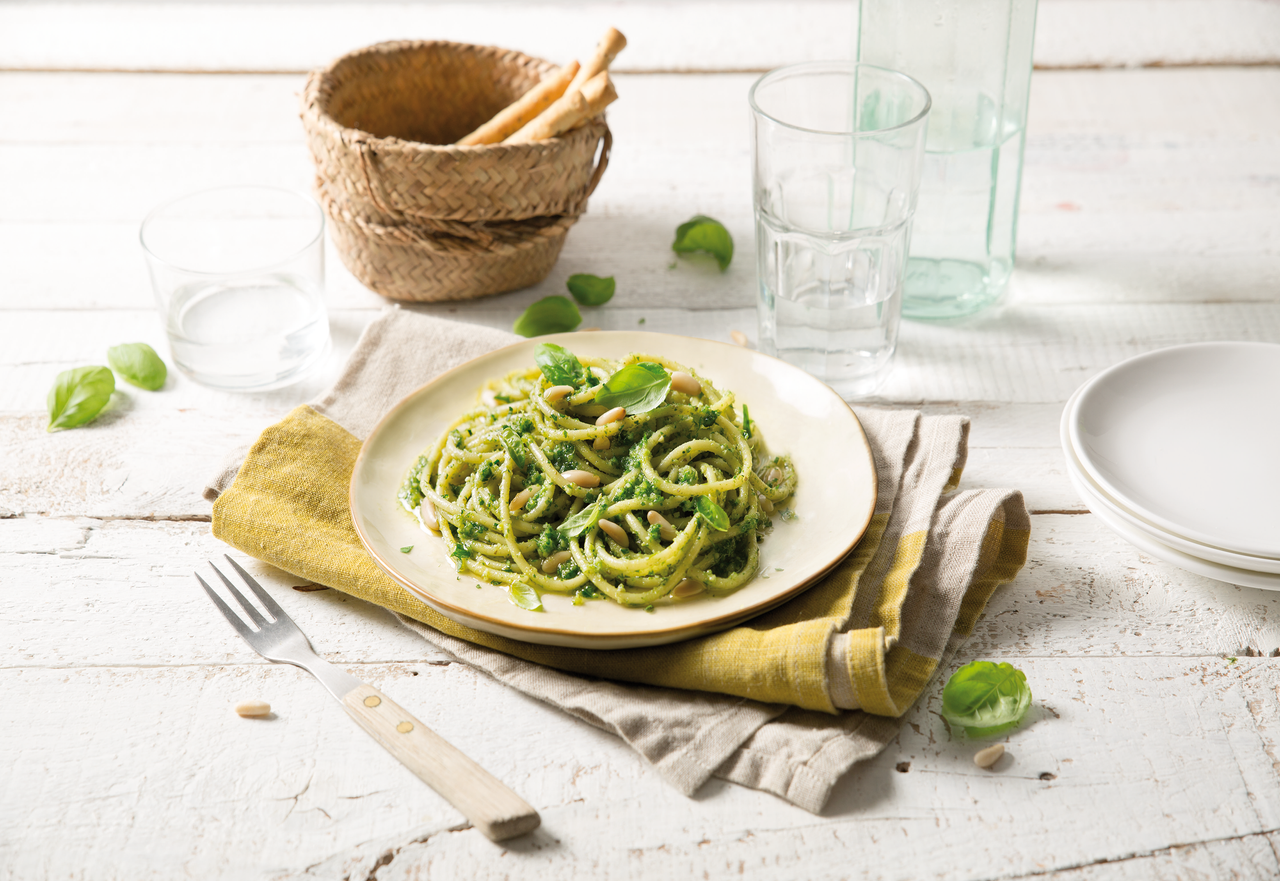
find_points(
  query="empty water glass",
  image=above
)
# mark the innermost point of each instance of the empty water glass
(837, 149)
(238, 275)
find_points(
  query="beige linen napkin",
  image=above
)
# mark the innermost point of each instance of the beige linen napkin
(870, 636)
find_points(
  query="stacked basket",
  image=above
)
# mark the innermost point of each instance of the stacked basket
(415, 217)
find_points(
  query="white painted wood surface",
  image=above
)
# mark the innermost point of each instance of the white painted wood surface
(1150, 216)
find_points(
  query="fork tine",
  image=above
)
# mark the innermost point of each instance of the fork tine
(249, 608)
(271, 605)
(236, 621)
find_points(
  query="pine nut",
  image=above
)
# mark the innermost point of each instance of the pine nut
(773, 476)
(557, 393)
(611, 415)
(521, 498)
(765, 504)
(552, 563)
(687, 588)
(601, 443)
(685, 384)
(488, 397)
(615, 532)
(253, 708)
(989, 756)
(427, 512)
(740, 338)
(584, 479)
(665, 529)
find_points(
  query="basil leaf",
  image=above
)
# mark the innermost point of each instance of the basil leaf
(985, 698)
(638, 388)
(584, 521)
(515, 445)
(591, 290)
(78, 396)
(548, 315)
(524, 596)
(406, 549)
(705, 234)
(712, 514)
(139, 364)
(559, 365)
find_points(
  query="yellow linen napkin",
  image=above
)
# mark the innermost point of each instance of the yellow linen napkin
(869, 636)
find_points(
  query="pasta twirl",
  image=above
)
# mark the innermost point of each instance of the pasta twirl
(591, 477)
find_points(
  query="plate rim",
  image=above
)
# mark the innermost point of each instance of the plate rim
(552, 635)
(1230, 559)
(1090, 468)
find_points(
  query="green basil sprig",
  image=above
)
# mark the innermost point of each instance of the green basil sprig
(712, 514)
(985, 698)
(591, 290)
(511, 439)
(139, 364)
(78, 396)
(703, 233)
(639, 388)
(548, 315)
(584, 521)
(559, 365)
(524, 596)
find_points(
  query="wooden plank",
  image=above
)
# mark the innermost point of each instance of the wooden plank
(1142, 206)
(707, 35)
(1084, 592)
(309, 790)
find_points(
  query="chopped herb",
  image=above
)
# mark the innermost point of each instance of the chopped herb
(649, 608)
(641, 321)
(550, 541)
(461, 552)
(787, 514)
(503, 398)
(746, 422)
(406, 549)
(563, 456)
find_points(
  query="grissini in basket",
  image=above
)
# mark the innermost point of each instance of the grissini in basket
(525, 109)
(574, 107)
(606, 50)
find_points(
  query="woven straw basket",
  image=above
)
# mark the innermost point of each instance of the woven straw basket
(416, 218)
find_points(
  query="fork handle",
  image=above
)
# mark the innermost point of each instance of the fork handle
(490, 806)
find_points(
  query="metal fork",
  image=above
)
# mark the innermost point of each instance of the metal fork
(490, 806)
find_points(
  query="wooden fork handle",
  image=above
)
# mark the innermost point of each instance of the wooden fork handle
(490, 806)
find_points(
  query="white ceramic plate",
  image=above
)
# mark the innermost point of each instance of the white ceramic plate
(1187, 438)
(1144, 540)
(1115, 508)
(797, 415)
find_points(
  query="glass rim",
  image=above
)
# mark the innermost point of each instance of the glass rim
(839, 66)
(169, 203)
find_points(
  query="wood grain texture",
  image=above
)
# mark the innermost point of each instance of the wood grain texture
(489, 805)
(662, 35)
(1148, 218)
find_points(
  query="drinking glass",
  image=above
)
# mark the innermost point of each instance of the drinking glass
(238, 275)
(974, 57)
(837, 149)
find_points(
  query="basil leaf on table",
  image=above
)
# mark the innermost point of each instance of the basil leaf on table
(78, 396)
(985, 698)
(638, 388)
(139, 364)
(591, 290)
(712, 514)
(549, 315)
(524, 596)
(584, 521)
(559, 365)
(704, 233)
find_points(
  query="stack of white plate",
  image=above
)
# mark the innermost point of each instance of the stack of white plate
(1178, 451)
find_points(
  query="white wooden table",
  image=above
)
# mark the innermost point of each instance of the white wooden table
(1150, 217)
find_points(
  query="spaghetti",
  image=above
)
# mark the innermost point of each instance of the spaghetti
(635, 480)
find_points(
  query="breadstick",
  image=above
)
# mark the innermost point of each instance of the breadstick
(606, 50)
(595, 95)
(519, 113)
